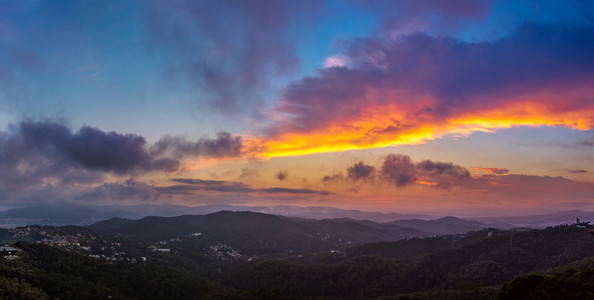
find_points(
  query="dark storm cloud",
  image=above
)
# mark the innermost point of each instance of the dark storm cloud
(89, 147)
(281, 175)
(228, 49)
(94, 149)
(33, 152)
(360, 171)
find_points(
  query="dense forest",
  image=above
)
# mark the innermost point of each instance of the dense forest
(106, 262)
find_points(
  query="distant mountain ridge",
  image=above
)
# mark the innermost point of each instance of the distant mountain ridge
(256, 233)
(67, 214)
(441, 226)
(537, 221)
(59, 214)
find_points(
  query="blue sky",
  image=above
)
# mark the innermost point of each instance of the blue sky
(238, 91)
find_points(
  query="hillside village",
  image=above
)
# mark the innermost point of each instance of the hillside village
(78, 240)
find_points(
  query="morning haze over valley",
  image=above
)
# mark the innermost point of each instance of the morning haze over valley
(279, 149)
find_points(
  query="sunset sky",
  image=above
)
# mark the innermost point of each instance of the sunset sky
(441, 107)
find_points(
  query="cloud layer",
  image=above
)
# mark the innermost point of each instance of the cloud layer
(360, 171)
(229, 50)
(399, 170)
(192, 185)
(47, 152)
(418, 87)
(448, 185)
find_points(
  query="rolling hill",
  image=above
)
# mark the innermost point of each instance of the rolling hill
(257, 233)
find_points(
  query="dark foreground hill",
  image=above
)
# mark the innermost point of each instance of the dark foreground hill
(256, 233)
(554, 263)
(453, 266)
(479, 260)
(44, 272)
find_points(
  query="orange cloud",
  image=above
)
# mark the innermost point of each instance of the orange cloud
(379, 124)
(492, 171)
(419, 88)
(424, 182)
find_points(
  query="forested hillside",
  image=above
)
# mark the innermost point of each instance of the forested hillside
(257, 233)
(479, 259)
(160, 262)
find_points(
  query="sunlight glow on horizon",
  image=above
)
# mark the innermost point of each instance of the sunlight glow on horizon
(374, 128)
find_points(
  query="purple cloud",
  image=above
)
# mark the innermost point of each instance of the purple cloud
(494, 171)
(249, 173)
(334, 178)
(360, 171)
(91, 148)
(208, 185)
(440, 169)
(434, 15)
(33, 152)
(427, 81)
(224, 145)
(399, 170)
(281, 175)
(228, 49)
(128, 190)
(191, 185)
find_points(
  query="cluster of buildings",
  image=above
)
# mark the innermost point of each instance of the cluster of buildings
(89, 244)
(101, 247)
(9, 253)
(71, 242)
(224, 251)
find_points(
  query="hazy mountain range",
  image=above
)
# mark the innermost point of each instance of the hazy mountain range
(257, 233)
(235, 253)
(68, 214)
